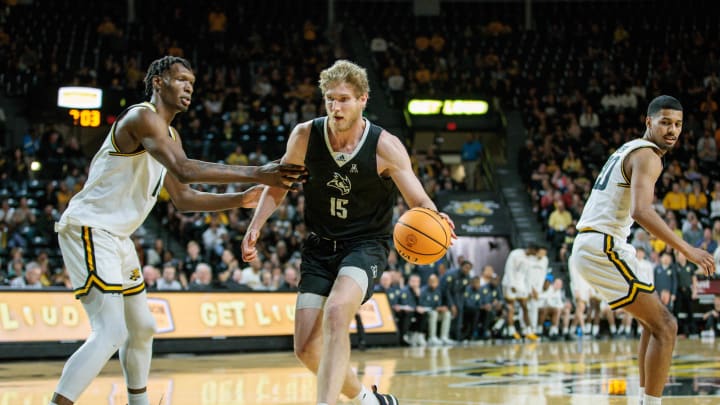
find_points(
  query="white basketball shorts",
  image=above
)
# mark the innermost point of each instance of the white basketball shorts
(608, 265)
(97, 258)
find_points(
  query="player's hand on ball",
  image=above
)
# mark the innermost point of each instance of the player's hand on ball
(447, 218)
(251, 196)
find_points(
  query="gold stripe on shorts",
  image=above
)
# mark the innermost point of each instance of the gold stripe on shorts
(90, 262)
(636, 286)
(134, 290)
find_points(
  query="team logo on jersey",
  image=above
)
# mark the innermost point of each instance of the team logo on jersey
(135, 275)
(353, 168)
(374, 268)
(341, 183)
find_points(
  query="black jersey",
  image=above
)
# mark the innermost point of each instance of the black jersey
(345, 198)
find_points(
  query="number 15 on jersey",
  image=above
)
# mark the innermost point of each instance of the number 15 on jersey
(338, 207)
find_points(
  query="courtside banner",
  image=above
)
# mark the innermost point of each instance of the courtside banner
(476, 213)
(41, 316)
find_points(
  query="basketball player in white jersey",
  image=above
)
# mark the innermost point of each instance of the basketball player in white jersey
(516, 288)
(623, 192)
(537, 271)
(141, 153)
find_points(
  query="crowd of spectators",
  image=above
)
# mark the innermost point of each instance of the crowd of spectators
(257, 69)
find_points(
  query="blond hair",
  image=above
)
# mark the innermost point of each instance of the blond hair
(348, 72)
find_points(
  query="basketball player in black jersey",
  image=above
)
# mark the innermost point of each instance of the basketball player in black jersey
(355, 169)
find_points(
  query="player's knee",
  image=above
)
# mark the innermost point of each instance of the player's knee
(336, 318)
(305, 351)
(113, 336)
(142, 329)
(670, 326)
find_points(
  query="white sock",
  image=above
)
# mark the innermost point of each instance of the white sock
(613, 329)
(650, 400)
(365, 397)
(595, 329)
(641, 394)
(565, 331)
(553, 330)
(138, 399)
(511, 330)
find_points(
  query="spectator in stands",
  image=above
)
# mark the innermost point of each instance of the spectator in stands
(707, 151)
(432, 299)
(692, 230)
(676, 199)
(154, 256)
(228, 263)
(214, 237)
(473, 307)
(290, 279)
(150, 274)
(455, 281)
(470, 154)
(712, 319)
(202, 278)
(29, 280)
(236, 283)
(666, 280)
(237, 157)
(251, 273)
(715, 203)
(411, 314)
(641, 240)
(589, 120)
(708, 242)
(551, 304)
(686, 293)
(558, 222)
(7, 212)
(697, 199)
(192, 259)
(168, 281)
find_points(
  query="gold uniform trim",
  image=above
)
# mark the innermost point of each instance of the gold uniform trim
(636, 286)
(112, 133)
(622, 165)
(93, 279)
(134, 290)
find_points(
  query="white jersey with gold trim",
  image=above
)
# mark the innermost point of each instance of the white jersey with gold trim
(608, 208)
(121, 188)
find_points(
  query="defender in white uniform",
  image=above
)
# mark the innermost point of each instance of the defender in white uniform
(624, 192)
(516, 287)
(140, 155)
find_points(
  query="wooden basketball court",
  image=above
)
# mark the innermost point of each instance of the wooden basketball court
(580, 372)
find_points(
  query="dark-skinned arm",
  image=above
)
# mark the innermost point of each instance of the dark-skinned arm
(187, 199)
(645, 167)
(152, 132)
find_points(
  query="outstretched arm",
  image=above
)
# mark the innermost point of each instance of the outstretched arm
(151, 131)
(645, 167)
(393, 160)
(272, 196)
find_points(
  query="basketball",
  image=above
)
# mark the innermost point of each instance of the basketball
(421, 236)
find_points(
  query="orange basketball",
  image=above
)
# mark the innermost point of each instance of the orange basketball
(421, 236)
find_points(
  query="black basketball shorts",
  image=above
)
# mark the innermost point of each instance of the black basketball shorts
(323, 258)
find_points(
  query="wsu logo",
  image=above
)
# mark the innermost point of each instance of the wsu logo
(341, 183)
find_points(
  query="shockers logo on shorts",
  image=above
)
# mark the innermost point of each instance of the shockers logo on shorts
(135, 275)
